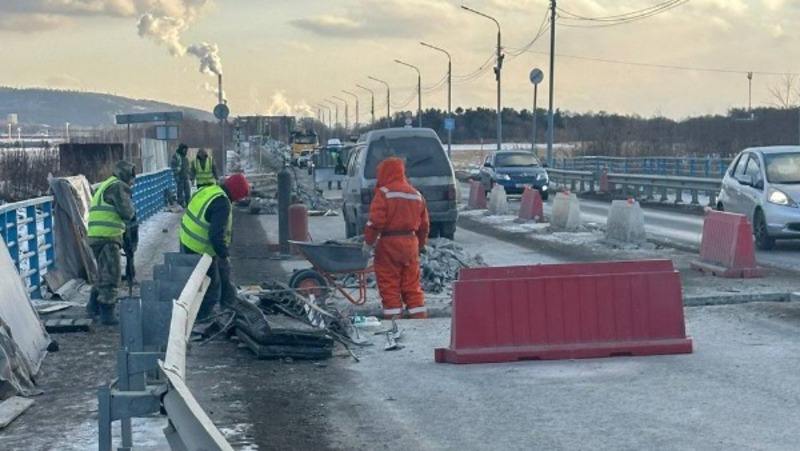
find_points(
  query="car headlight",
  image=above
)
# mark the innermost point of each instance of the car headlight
(778, 197)
(503, 177)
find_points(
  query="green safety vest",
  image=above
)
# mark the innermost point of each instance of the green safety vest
(194, 227)
(104, 221)
(205, 176)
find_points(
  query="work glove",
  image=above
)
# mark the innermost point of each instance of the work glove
(366, 249)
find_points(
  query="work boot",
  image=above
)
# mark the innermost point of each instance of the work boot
(92, 307)
(108, 314)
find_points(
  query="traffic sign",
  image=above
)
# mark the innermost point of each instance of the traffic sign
(142, 118)
(221, 111)
(449, 123)
(536, 76)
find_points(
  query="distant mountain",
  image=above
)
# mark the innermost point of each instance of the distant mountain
(36, 106)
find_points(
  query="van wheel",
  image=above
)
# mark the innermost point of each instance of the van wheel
(763, 241)
(349, 229)
(434, 230)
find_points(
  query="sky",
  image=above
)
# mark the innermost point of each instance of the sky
(287, 56)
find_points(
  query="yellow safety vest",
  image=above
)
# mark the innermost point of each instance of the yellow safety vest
(203, 176)
(104, 221)
(194, 226)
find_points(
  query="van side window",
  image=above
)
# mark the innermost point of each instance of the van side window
(741, 165)
(753, 169)
(351, 169)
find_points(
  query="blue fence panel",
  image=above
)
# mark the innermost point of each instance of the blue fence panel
(27, 229)
(150, 193)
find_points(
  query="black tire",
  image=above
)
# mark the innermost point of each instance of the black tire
(545, 195)
(307, 281)
(435, 230)
(349, 229)
(763, 241)
(447, 230)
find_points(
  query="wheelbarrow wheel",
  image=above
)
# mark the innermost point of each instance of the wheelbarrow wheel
(308, 282)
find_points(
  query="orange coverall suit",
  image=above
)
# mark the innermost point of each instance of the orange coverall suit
(398, 221)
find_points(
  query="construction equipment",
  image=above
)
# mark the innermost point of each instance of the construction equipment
(329, 260)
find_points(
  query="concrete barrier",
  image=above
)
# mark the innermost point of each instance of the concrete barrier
(498, 201)
(626, 222)
(727, 249)
(531, 207)
(566, 212)
(477, 196)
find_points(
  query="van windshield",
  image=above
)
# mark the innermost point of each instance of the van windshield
(424, 157)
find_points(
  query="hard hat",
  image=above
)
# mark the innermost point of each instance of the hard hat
(237, 186)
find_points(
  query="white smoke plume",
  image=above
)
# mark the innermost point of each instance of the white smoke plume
(210, 63)
(280, 106)
(214, 90)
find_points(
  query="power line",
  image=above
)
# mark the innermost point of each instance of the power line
(667, 66)
(579, 21)
(545, 25)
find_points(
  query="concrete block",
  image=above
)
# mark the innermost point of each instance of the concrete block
(626, 222)
(566, 212)
(498, 201)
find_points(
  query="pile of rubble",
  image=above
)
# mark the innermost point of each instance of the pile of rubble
(439, 264)
(442, 261)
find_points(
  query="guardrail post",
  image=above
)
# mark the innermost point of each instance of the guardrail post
(712, 199)
(664, 196)
(678, 196)
(104, 419)
(649, 192)
(691, 167)
(695, 197)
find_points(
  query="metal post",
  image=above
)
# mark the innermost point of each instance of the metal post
(284, 199)
(372, 108)
(355, 96)
(533, 135)
(449, 93)
(346, 112)
(224, 156)
(419, 90)
(550, 120)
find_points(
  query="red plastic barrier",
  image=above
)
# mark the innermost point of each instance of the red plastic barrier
(608, 310)
(477, 196)
(531, 207)
(727, 249)
(575, 269)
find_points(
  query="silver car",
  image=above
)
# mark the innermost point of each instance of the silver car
(763, 183)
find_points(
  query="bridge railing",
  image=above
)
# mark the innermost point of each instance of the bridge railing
(27, 226)
(27, 229)
(667, 166)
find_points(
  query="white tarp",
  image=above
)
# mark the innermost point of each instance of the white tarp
(20, 320)
(155, 155)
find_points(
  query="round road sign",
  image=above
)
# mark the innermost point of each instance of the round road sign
(221, 111)
(537, 76)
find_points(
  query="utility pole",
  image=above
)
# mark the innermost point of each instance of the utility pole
(449, 94)
(550, 120)
(336, 110)
(419, 90)
(497, 72)
(388, 101)
(355, 96)
(536, 77)
(346, 112)
(372, 107)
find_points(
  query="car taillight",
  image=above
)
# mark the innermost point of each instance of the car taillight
(366, 196)
(451, 193)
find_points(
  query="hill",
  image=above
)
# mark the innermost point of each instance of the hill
(36, 106)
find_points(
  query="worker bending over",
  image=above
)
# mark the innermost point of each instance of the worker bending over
(398, 222)
(110, 215)
(203, 172)
(206, 228)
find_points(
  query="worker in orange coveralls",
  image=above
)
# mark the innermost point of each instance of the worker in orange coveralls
(398, 222)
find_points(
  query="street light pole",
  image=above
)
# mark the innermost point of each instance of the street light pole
(449, 93)
(388, 101)
(497, 72)
(372, 107)
(346, 112)
(355, 96)
(336, 110)
(550, 120)
(419, 90)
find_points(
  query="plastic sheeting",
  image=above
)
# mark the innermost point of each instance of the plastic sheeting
(74, 259)
(23, 340)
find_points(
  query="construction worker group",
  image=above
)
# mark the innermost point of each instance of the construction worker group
(397, 231)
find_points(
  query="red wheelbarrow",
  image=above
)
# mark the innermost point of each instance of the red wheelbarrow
(330, 261)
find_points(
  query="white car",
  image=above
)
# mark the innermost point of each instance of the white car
(763, 183)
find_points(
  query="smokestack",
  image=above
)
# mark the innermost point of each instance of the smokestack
(219, 77)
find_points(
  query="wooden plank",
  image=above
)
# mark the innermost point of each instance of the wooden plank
(13, 407)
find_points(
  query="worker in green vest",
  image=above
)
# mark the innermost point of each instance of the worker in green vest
(204, 172)
(179, 163)
(111, 213)
(206, 228)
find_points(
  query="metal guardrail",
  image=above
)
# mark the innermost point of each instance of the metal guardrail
(27, 229)
(576, 180)
(27, 226)
(668, 166)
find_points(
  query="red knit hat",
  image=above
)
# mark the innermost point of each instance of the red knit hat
(237, 186)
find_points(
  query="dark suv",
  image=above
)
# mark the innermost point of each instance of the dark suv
(514, 170)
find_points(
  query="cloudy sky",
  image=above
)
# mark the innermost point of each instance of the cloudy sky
(284, 54)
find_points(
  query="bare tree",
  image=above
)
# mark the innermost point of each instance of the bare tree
(786, 94)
